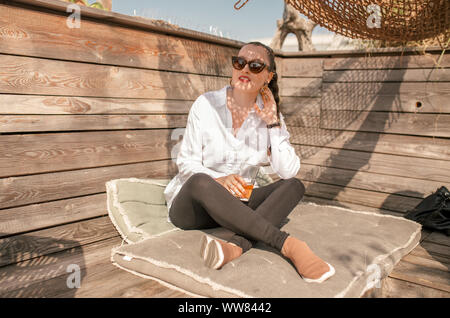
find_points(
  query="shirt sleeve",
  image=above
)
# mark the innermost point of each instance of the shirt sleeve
(189, 160)
(283, 159)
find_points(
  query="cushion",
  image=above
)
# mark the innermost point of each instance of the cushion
(363, 247)
(137, 207)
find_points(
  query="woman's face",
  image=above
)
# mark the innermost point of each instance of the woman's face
(254, 82)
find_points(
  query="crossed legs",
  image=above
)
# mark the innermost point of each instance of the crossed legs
(203, 203)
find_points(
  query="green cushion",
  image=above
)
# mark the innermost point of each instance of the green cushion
(137, 207)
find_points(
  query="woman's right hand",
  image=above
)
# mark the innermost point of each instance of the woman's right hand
(234, 183)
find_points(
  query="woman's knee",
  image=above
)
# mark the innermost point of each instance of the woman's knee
(190, 219)
(199, 182)
(297, 185)
(183, 224)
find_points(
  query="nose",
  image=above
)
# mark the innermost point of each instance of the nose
(246, 68)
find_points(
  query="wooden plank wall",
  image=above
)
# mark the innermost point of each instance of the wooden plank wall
(80, 107)
(371, 130)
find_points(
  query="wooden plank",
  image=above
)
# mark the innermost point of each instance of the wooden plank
(301, 111)
(59, 105)
(421, 275)
(39, 216)
(425, 232)
(45, 187)
(403, 166)
(110, 281)
(439, 238)
(291, 105)
(302, 119)
(432, 251)
(149, 289)
(303, 67)
(305, 87)
(429, 263)
(394, 51)
(46, 276)
(436, 249)
(43, 153)
(26, 75)
(383, 88)
(414, 146)
(361, 180)
(158, 26)
(379, 200)
(419, 102)
(45, 34)
(47, 123)
(31, 245)
(390, 75)
(369, 62)
(279, 65)
(397, 288)
(433, 125)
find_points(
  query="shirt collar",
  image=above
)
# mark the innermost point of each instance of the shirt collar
(223, 99)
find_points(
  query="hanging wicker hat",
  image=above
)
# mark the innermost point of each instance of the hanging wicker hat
(391, 20)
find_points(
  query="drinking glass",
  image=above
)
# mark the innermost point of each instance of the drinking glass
(248, 172)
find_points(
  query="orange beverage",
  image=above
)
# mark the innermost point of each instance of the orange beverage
(248, 191)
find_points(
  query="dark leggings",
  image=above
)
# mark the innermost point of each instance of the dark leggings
(204, 203)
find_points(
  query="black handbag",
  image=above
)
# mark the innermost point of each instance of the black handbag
(433, 212)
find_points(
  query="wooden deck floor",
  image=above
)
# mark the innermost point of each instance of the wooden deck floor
(422, 273)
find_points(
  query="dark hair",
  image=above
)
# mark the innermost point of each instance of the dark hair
(273, 85)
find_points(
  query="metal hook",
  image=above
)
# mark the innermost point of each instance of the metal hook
(237, 8)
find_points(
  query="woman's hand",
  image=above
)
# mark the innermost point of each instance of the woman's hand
(269, 112)
(233, 183)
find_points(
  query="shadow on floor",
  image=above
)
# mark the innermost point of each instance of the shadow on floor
(425, 231)
(24, 273)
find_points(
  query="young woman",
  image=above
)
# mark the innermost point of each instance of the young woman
(237, 124)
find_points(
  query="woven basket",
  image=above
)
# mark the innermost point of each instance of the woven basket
(391, 20)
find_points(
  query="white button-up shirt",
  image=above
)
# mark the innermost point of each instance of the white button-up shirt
(209, 145)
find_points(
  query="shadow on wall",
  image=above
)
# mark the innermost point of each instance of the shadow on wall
(24, 273)
(352, 100)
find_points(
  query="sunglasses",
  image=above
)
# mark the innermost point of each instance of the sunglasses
(255, 66)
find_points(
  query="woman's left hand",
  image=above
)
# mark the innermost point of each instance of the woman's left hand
(269, 112)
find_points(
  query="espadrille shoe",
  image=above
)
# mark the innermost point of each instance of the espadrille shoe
(216, 253)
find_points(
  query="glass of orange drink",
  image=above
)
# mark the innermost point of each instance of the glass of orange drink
(248, 172)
